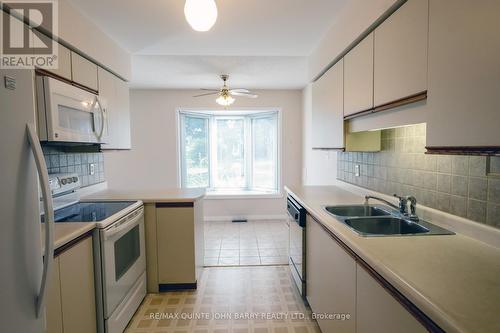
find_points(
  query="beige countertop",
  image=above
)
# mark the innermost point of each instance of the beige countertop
(66, 232)
(453, 279)
(149, 196)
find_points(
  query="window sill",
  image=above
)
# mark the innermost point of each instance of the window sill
(223, 195)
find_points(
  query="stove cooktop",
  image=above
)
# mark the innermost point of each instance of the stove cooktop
(90, 211)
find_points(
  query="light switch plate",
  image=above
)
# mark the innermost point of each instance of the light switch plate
(356, 170)
(10, 82)
(92, 169)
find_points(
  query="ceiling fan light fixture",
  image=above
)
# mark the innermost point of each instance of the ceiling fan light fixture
(201, 14)
(225, 100)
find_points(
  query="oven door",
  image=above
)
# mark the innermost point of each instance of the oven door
(71, 113)
(123, 258)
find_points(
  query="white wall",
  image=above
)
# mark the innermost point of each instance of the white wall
(152, 162)
(355, 18)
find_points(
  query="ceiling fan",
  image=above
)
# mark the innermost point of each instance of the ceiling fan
(225, 94)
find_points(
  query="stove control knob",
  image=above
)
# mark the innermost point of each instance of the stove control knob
(63, 181)
(75, 179)
(70, 180)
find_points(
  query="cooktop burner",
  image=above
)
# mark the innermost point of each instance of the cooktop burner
(90, 211)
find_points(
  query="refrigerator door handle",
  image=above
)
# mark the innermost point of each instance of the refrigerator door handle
(49, 215)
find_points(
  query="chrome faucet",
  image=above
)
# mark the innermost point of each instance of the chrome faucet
(368, 197)
(402, 207)
(413, 208)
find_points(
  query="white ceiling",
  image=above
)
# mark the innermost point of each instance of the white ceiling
(188, 72)
(260, 43)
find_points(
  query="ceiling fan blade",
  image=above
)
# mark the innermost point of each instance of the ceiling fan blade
(205, 89)
(239, 90)
(243, 94)
(207, 94)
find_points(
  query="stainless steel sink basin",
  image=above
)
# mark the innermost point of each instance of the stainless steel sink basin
(356, 210)
(370, 221)
(385, 226)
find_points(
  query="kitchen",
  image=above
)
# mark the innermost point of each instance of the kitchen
(339, 170)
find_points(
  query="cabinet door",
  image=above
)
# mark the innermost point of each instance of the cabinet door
(114, 93)
(358, 77)
(84, 72)
(400, 53)
(377, 311)
(151, 247)
(63, 63)
(331, 279)
(176, 249)
(54, 306)
(464, 74)
(328, 109)
(121, 116)
(77, 288)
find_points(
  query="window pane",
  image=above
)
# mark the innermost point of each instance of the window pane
(265, 152)
(195, 161)
(230, 172)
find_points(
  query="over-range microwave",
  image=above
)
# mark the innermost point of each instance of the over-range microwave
(68, 114)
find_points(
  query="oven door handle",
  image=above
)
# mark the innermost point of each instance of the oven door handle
(127, 223)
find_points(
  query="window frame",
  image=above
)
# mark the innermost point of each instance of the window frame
(248, 114)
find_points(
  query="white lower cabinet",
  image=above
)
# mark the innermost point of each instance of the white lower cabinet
(338, 285)
(377, 311)
(71, 304)
(331, 279)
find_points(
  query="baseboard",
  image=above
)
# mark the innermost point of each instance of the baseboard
(245, 217)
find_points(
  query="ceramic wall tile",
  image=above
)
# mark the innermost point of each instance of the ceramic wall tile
(467, 186)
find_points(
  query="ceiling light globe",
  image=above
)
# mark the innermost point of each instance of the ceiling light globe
(225, 100)
(201, 14)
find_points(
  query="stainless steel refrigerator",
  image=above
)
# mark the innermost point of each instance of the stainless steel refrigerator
(24, 268)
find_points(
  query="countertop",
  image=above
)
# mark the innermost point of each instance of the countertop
(453, 279)
(149, 196)
(66, 232)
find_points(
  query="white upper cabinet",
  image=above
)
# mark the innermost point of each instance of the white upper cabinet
(358, 77)
(328, 109)
(63, 63)
(378, 312)
(400, 53)
(84, 72)
(464, 74)
(114, 95)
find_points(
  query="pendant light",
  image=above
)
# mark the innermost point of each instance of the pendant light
(201, 14)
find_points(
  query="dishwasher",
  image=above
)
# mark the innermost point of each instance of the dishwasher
(297, 242)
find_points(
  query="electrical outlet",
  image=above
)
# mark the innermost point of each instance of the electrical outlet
(92, 169)
(356, 170)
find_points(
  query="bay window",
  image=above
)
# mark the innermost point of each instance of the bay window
(230, 151)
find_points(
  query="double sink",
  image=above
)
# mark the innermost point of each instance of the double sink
(378, 220)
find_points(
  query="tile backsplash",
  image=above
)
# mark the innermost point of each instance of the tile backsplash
(59, 161)
(467, 186)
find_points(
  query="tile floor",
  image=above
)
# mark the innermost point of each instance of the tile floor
(247, 243)
(228, 299)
